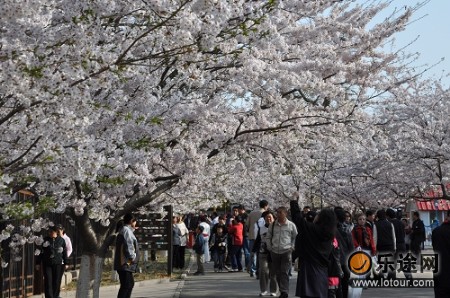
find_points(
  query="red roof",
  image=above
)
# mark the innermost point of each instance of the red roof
(443, 205)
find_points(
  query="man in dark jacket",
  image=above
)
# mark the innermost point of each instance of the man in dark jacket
(399, 238)
(52, 257)
(417, 234)
(385, 239)
(441, 244)
(127, 256)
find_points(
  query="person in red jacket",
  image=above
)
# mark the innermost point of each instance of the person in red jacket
(362, 236)
(236, 231)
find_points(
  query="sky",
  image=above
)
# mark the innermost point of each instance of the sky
(432, 24)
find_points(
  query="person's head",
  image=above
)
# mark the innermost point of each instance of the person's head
(306, 209)
(370, 215)
(130, 220)
(60, 229)
(53, 232)
(215, 214)
(200, 229)
(381, 214)
(268, 217)
(361, 218)
(390, 213)
(348, 217)
(340, 214)
(282, 214)
(326, 220)
(235, 211)
(202, 218)
(222, 219)
(175, 219)
(236, 220)
(263, 204)
(416, 215)
(310, 216)
(241, 209)
(219, 230)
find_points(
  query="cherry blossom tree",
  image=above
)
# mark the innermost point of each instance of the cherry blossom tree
(109, 107)
(417, 129)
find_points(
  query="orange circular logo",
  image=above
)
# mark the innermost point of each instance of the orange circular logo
(359, 263)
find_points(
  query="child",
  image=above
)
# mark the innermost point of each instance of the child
(218, 249)
(199, 250)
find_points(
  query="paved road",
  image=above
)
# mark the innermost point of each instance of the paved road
(225, 285)
(163, 288)
(242, 285)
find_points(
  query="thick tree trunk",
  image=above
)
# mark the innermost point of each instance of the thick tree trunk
(91, 269)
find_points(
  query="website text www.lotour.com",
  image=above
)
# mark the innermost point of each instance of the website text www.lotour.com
(392, 283)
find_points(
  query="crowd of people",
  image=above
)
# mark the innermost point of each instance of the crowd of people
(266, 242)
(269, 242)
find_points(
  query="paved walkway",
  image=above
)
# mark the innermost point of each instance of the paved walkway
(225, 284)
(228, 284)
(163, 288)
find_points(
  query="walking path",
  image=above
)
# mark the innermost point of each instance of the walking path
(228, 284)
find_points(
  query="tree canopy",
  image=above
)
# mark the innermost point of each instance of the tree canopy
(109, 106)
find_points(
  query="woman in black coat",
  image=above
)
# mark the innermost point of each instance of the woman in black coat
(314, 248)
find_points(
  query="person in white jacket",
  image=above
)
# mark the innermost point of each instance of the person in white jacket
(184, 236)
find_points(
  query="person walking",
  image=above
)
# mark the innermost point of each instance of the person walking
(362, 236)
(370, 222)
(236, 230)
(176, 242)
(199, 249)
(400, 243)
(267, 279)
(362, 240)
(53, 258)
(345, 242)
(417, 234)
(184, 236)
(69, 250)
(408, 230)
(314, 255)
(281, 236)
(253, 218)
(126, 256)
(440, 239)
(218, 249)
(348, 222)
(386, 242)
(243, 218)
(206, 234)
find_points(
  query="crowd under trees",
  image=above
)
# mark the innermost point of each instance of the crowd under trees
(109, 107)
